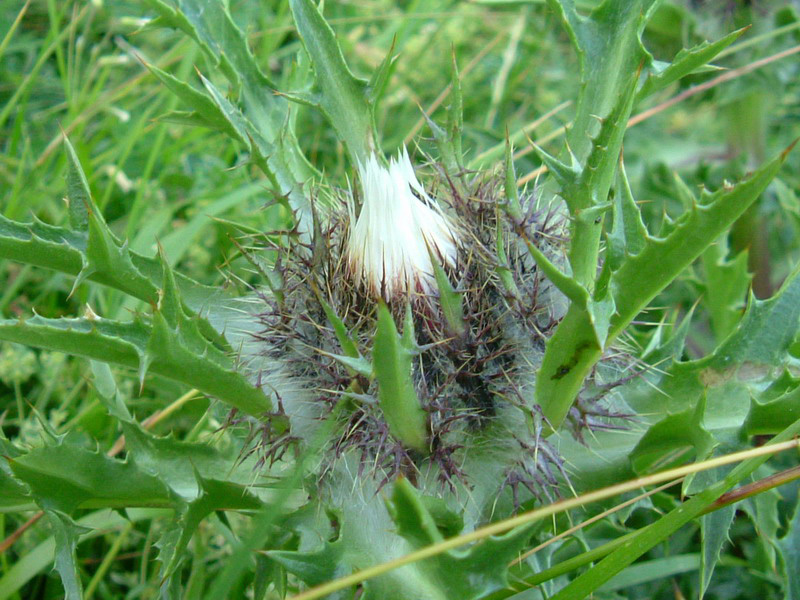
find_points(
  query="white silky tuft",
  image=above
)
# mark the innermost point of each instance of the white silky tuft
(387, 248)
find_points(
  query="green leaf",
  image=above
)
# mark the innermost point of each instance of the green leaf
(214, 495)
(789, 547)
(448, 137)
(451, 301)
(377, 83)
(567, 175)
(316, 567)
(467, 574)
(609, 49)
(455, 116)
(64, 477)
(503, 267)
(204, 107)
(392, 362)
(106, 387)
(357, 366)
(565, 284)
(763, 512)
(665, 444)
(79, 196)
(66, 533)
(104, 253)
(256, 116)
(727, 283)
(652, 571)
(511, 205)
(587, 199)
(12, 492)
(135, 345)
(768, 415)
(600, 311)
(342, 335)
(569, 356)
(63, 250)
(628, 233)
(343, 97)
(714, 533)
(686, 62)
(735, 375)
(40, 557)
(642, 276)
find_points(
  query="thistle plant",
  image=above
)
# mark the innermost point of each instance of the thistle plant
(421, 349)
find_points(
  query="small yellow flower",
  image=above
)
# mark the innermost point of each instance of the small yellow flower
(389, 247)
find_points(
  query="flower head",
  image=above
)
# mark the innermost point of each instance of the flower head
(398, 229)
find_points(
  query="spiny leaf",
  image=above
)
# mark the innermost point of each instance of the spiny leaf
(762, 509)
(214, 495)
(768, 415)
(648, 537)
(66, 477)
(128, 344)
(727, 283)
(209, 24)
(343, 97)
(64, 250)
(567, 285)
(447, 155)
(511, 204)
(714, 533)
(79, 196)
(567, 175)
(13, 493)
(569, 355)
(734, 377)
(356, 366)
(503, 268)
(789, 546)
(106, 387)
(396, 393)
(455, 115)
(377, 83)
(609, 49)
(204, 106)
(686, 61)
(66, 532)
(600, 310)
(342, 335)
(486, 563)
(666, 443)
(316, 563)
(104, 253)
(600, 166)
(641, 277)
(256, 116)
(316, 567)
(628, 233)
(451, 301)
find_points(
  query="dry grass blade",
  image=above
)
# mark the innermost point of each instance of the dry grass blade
(593, 519)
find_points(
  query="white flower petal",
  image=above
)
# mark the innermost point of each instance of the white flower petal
(388, 245)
